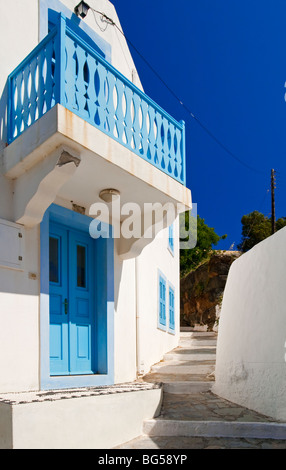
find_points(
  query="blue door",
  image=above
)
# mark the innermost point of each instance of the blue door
(72, 302)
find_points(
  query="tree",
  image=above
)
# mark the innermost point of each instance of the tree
(206, 238)
(255, 228)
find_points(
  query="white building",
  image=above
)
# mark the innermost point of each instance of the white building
(77, 310)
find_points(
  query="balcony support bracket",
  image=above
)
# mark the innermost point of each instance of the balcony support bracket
(36, 190)
(132, 247)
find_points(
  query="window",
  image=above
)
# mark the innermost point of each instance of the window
(162, 303)
(54, 245)
(171, 310)
(81, 266)
(166, 305)
(171, 239)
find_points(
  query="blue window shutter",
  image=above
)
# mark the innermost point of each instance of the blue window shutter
(171, 309)
(162, 301)
(171, 238)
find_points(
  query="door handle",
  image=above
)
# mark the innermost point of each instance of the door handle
(66, 304)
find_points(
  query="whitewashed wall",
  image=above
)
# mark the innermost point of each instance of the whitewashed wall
(124, 320)
(139, 343)
(22, 32)
(251, 350)
(121, 57)
(20, 289)
(154, 342)
(19, 318)
(16, 24)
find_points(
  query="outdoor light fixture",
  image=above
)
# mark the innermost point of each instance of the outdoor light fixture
(81, 9)
(107, 195)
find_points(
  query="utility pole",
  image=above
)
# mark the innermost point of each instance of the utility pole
(273, 201)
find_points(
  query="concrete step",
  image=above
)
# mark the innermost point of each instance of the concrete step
(174, 428)
(194, 350)
(187, 387)
(172, 378)
(180, 369)
(197, 334)
(170, 357)
(192, 344)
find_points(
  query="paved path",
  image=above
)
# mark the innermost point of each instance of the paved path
(192, 417)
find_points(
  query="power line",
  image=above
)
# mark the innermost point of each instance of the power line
(104, 17)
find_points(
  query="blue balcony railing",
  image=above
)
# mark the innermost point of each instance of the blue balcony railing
(64, 69)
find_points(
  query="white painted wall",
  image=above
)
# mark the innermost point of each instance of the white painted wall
(154, 342)
(139, 343)
(16, 24)
(251, 349)
(19, 312)
(19, 319)
(21, 30)
(19, 289)
(19, 298)
(124, 320)
(121, 58)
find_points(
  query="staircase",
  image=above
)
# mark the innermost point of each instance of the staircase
(191, 415)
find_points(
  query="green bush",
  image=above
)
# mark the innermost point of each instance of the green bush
(206, 237)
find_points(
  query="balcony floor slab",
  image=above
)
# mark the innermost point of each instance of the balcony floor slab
(114, 163)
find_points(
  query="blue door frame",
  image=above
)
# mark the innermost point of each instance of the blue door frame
(104, 274)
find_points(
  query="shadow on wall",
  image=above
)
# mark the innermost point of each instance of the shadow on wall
(118, 281)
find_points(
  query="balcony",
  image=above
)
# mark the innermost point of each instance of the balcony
(65, 70)
(77, 126)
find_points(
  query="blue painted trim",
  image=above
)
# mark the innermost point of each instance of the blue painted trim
(60, 88)
(47, 9)
(105, 285)
(171, 325)
(162, 325)
(180, 125)
(171, 239)
(9, 110)
(183, 152)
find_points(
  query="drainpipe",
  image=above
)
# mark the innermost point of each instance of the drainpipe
(139, 362)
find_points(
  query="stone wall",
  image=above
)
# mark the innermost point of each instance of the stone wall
(202, 291)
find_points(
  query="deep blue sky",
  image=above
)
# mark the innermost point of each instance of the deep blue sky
(226, 60)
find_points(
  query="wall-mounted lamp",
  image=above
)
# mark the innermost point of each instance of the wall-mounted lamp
(82, 9)
(108, 195)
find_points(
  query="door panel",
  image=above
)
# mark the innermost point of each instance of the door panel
(82, 288)
(72, 302)
(59, 337)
